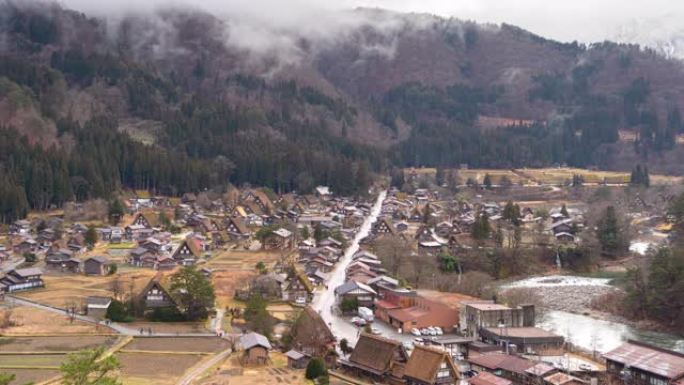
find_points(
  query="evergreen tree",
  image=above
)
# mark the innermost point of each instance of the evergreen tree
(487, 182)
(610, 234)
(315, 369)
(90, 367)
(90, 237)
(440, 178)
(481, 228)
(193, 293)
(115, 211)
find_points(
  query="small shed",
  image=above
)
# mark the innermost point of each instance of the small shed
(256, 347)
(296, 360)
(96, 306)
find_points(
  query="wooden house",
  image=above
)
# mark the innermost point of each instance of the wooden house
(311, 335)
(298, 288)
(22, 279)
(187, 253)
(376, 358)
(384, 226)
(154, 295)
(97, 265)
(256, 347)
(279, 239)
(430, 366)
(236, 228)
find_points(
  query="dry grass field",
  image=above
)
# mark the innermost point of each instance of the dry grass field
(551, 175)
(157, 369)
(52, 361)
(54, 343)
(62, 290)
(235, 268)
(276, 373)
(180, 344)
(32, 321)
(31, 376)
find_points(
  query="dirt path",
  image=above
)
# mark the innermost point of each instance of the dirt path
(188, 378)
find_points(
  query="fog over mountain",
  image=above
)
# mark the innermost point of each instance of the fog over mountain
(656, 24)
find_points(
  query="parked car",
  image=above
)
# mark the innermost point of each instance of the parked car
(425, 332)
(358, 321)
(366, 314)
(408, 345)
(415, 332)
(375, 330)
(439, 331)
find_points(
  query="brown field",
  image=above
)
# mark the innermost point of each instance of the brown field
(26, 376)
(39, 360)
(234, 269)
(170, 327)
(32, 321)
(549, 175)
(276, 373)
(66, 289)
(180, 344)
(157, 369)
(54, 344)
(495, 175)
(282, 311)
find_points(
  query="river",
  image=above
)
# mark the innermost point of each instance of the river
(324, 300)
(584, 331)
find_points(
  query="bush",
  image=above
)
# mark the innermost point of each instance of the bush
(30, 257)
(165, 314)
(118, 312)
(349, 305)
(316, 368)
(112, 269)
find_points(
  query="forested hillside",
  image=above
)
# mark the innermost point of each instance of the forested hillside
(166, 102)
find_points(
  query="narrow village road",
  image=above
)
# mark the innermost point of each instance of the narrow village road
(324, 301)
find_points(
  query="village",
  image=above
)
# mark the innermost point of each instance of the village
(414, 283)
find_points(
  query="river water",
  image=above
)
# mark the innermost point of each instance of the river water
(591, 333)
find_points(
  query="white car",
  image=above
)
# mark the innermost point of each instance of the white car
(425, 332)
(439, 331)
(415, 332)
(408, 345)
(300, 300)
(375, 330)
(358, 321)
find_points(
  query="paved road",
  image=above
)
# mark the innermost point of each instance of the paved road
(324, 300)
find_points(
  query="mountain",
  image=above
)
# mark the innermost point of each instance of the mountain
(181, 100)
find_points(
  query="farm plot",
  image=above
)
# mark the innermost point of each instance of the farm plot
(234, 269)
(180, 344)
(66, 289)
(158, 369)
(31, 376)
(276, 373)
(31, 361)
(31, 321)
(54, 344)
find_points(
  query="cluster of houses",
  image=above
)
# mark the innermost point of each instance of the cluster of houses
(433, 222)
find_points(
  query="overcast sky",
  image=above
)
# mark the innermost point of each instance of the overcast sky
(565, 20)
